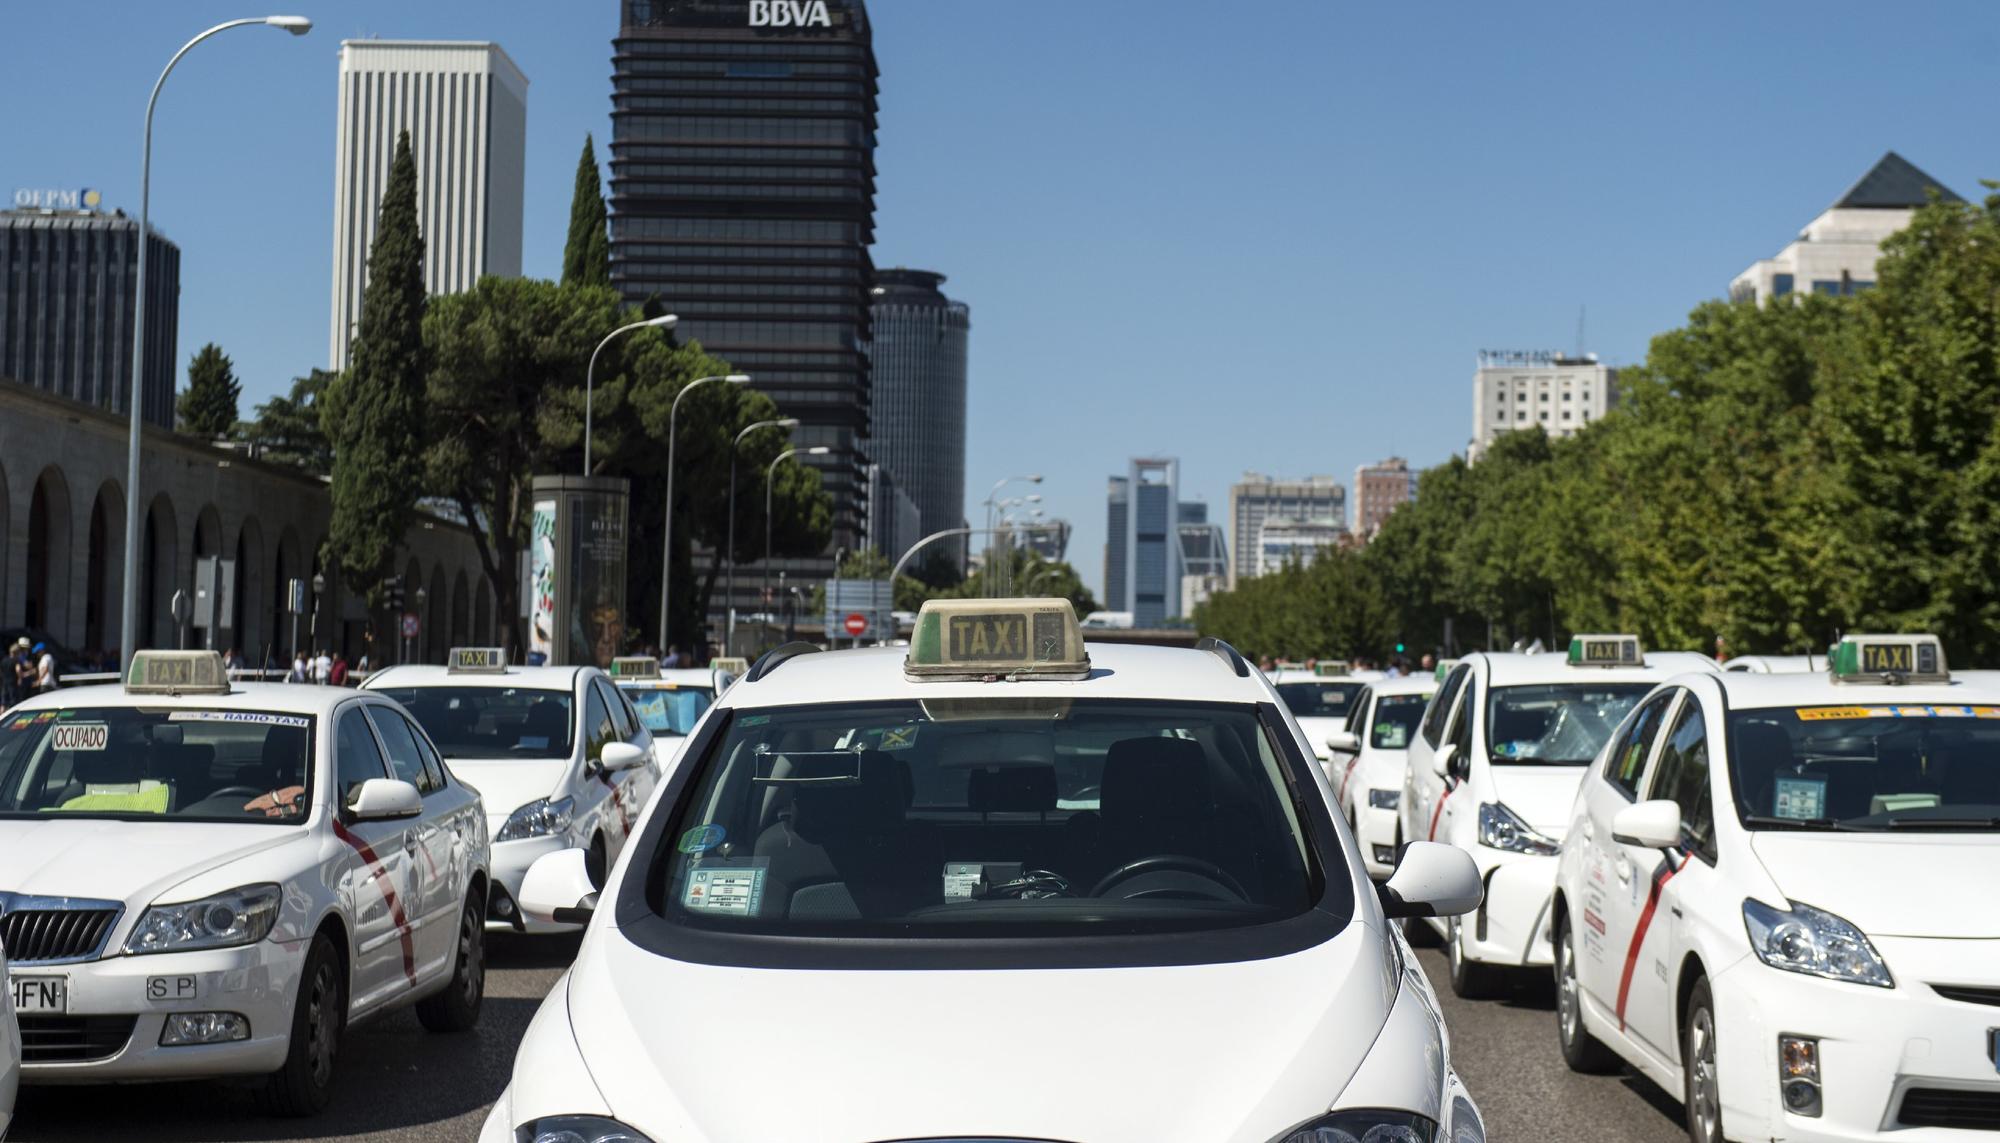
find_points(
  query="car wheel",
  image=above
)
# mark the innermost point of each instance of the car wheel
(1701, 1082)
(456, 1009)
(1470, 980)
(319, 1015)
(1582, 1051)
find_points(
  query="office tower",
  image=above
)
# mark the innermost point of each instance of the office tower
(1836, 252)
(1378, 489)
(1518, 389)
(917, 406)
(1258, 497)
(1142, 557)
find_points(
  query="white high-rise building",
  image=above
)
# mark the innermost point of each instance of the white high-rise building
(1519, 389)
(465, 106)
(1835, 254)
(1257, 498)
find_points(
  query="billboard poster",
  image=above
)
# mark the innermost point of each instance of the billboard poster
(596, 580)
(542, 583)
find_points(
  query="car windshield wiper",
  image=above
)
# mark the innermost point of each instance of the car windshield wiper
(1942, 823)
(1766, 820)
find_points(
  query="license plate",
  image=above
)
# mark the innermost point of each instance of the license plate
(40, 994)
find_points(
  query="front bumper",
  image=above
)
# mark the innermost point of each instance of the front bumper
(1876, 1046)
(118, 1007)
(1511, 925)
(511, 860)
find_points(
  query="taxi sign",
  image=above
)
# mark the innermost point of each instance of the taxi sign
(1605, 651)
(635, 667)
(980, 638)
(1444, 668)
(1332, 668)
(1888, 659)
(476, 661)
(730, 664)
(176, 673)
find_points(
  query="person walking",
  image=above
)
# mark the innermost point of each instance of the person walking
(46, 679)
(298, 671)
(322, 667)
(338, 676)
(13, 677)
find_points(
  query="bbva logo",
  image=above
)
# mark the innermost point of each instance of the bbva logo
(789, 14)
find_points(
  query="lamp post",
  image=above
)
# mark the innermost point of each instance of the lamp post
(729, 551)
(664, 321)
(129, 618)
(312, 629)
(1031, 478)
(667, 545)
(770, 473)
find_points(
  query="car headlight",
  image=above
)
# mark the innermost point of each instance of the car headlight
(543, 818)
(1501, 828)
(577, 1129)
(1814, 942)
(1369, 1126)
(239, 917)
(1384, 799)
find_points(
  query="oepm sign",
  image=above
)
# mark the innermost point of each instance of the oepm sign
(789, 14)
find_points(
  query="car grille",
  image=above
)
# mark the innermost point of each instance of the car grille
(42, 936)
(1945, 1107)
(1971, 994)
(73, 1039)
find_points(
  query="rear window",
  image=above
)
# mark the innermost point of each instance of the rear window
(128, 763)
(1317, 699)
(1562, 724)
(1396, 721)
(670, 710)
(492, 722)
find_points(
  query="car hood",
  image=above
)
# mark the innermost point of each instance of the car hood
(1889, 884)
(126, 861)
(507, 784)
(1127, 1055)
(1540, 795)
(1383, 769)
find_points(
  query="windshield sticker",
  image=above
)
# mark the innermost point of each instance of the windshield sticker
(534, 742)
(730, 886)
(1829, 713)
(35, 719)
(238, 716)
(899, 738)
(703, 838)
(1801, 799)
(756, 720)
(80, 736)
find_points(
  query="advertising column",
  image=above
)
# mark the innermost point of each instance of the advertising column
(576, 570)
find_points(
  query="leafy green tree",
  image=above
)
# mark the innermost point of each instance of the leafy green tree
(375, 412)
(288, 429)
(587, 254)
(207, 407)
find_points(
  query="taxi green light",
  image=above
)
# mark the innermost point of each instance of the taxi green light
(1888, 659)
(996, 638)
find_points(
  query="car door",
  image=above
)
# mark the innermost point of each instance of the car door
(1422, 786)
(1348, 762)
(1454, 804)
(635, 785)
(374, 878)
(596, 794)
(1679, 774)
(1614, 888)
(427, 844)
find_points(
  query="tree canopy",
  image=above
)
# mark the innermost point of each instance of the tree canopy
(587, 253)
(207, 407)
(289, 429)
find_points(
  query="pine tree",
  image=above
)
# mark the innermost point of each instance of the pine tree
(207, 406)
(587, 255)
(375, 411)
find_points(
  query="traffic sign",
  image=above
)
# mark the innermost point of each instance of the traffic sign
(856, 624)
(410, 625)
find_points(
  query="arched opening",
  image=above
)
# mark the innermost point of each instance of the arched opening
(247, 608)
(461, 611)
(46, 606)
(289, 564)
(207, 543)
(483, 631)
(104, 551)
(437, 605)
(160, 555)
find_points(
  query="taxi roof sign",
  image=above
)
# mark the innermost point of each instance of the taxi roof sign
(1444, 668)
(986, 638)
(176, 673)
(635, 667)
(1605, 651)
(476, 661)
(1888, 659)
(1332, 668)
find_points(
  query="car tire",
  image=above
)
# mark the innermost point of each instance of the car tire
(1701, 1080)
(456, 1009)
(304, 1085)
(1470, 980)
(1582, 1051)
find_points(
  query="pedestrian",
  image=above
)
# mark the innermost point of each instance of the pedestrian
(13, 687)
(298, 671)
(338, 676)
(231, 660)
(322, 667)
(45, 670)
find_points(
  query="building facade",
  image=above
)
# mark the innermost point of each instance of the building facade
(1519, 389)
(917, 405)
(1283, 540)
(1256, 498)
(1379, 489)
(743, 199)
(1836, 252)
(67, 300)
(465, 106)
(1142, 558)
(1204, 552)
(894, 521)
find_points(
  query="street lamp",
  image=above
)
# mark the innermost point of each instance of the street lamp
(729, 551)
(664, 321)
(1031, 478)
(312, 629)
(129, 618)
(667, 545)
(770, 473)
(409, 643)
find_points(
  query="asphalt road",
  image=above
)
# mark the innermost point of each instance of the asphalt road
(398, 1083)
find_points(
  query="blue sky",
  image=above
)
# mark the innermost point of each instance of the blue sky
(1252, 235)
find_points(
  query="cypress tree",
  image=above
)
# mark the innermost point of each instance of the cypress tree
(587, 254)
(207, 406)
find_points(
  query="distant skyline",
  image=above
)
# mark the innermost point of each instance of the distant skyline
(1266, 237)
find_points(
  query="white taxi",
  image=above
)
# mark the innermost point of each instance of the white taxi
(1493, 769)
(1368, 758)
(559, 755)
(1774, 664)
(669, 702)
(1777, 900)
(1000, 888)
(1320, 697)
(10, 1050)
(201, 879)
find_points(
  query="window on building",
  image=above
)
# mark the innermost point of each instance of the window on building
(1826, 286)
(1781, 284)
(1545, 395)
(1545, 414)
(1522, 415)
(1567, 394)
(1565, 414)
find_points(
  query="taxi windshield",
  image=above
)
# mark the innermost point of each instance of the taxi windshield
(1396, 719)
(491, 722)
(999, 817)
(1318, 699)
(1562, 724)
(1867, 767)
(137, 763)
(669, 710)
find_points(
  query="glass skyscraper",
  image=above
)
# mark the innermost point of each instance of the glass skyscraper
(918, 418)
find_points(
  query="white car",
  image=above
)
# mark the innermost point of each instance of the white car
(1320, 702)
(559, 755)
(1367, 760)
(1493, 770)
(10, 1050)
(859, 911)
(669, 702)
(1775, 664)
(200, 879)
(1777, 901)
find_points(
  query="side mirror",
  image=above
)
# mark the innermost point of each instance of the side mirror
(557, 887)
(384, 799)
(1442, 760)
(1652, 825)
(1432, 880)
(621, 756)
(1343, 742)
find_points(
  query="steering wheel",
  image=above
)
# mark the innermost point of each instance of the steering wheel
(235, 791)
(1161, 862)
